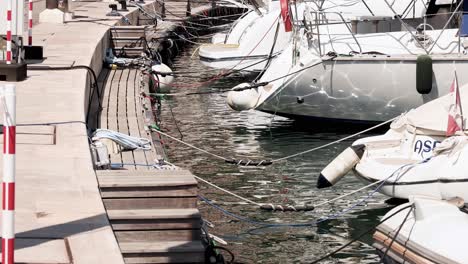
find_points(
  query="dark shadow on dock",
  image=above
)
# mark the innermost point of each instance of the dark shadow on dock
(38, 236)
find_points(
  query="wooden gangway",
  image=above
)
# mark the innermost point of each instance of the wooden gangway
(153, 212)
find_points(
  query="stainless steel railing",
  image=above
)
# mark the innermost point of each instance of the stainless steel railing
(320, 18)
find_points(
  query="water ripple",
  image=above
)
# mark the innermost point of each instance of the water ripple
(207, 122)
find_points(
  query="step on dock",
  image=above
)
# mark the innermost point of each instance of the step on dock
(128, 41)
(153, 212)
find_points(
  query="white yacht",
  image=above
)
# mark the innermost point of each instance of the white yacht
(260, 35)
(424, 231)
(370, 69)
(418, 155)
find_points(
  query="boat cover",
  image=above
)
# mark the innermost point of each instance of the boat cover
(431, 118)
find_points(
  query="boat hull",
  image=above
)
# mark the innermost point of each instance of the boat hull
(431, 231)
(361, 89)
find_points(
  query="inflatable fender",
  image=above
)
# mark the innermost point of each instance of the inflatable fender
(244, 99)
(163, 74)
(424, 74)
(340, 166)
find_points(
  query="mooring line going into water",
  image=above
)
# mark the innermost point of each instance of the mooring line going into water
(366, 232)
(264, 162)
(228, 192)
(254, 85)
(269, 206)
(336, 141)
(223, 73)
(320, 220)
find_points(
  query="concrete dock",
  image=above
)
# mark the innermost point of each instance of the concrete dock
(61, 216)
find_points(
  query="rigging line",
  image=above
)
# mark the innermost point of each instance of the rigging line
(190, 145)
(229, 71)
(214, 78)
(175, 122)
(270, 55)
(315, 222)
(265, 162)
(226, 191)
(397, 232)
(368, 8)
(359, 236)
(315, 205)
(336, 141)
(331, 57)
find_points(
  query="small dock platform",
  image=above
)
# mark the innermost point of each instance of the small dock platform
(153, 212)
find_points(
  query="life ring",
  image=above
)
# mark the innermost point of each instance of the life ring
(285, 15)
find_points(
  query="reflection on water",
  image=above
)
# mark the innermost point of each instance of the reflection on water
(206, 121)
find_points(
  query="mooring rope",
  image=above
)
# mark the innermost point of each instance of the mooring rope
(272, 207)
(320, 220)
(336, 141)
(223, 73)
(364, 233)
(228, 192)
(265, 162)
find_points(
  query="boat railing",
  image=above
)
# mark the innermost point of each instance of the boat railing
(234, 25)
(320, 18)
(457, 11)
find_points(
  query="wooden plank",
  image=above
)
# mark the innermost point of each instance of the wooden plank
(140, 192)
(138, 178)
(132, 95)
(166, 246)
(112, 100)
(134, 182)
(154, 214)
(155, 224)
(154, 173)
(148, 116)
(399, 249)
(145, 158)
(112, 119)
(142, 184)
(150, 203)
(158, 235)
(168, 257)
(127, 156)
(107, 85)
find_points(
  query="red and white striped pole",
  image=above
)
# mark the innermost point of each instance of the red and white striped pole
(30, 22)
(9, 168)
(8, 33)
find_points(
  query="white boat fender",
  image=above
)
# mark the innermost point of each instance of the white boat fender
(340, 166)
(163, 74)
(243, 99)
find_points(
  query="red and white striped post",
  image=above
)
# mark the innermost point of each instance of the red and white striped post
(9, 168)
(8, 33)
(30, 22)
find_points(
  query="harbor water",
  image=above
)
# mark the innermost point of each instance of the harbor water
(206, 121)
